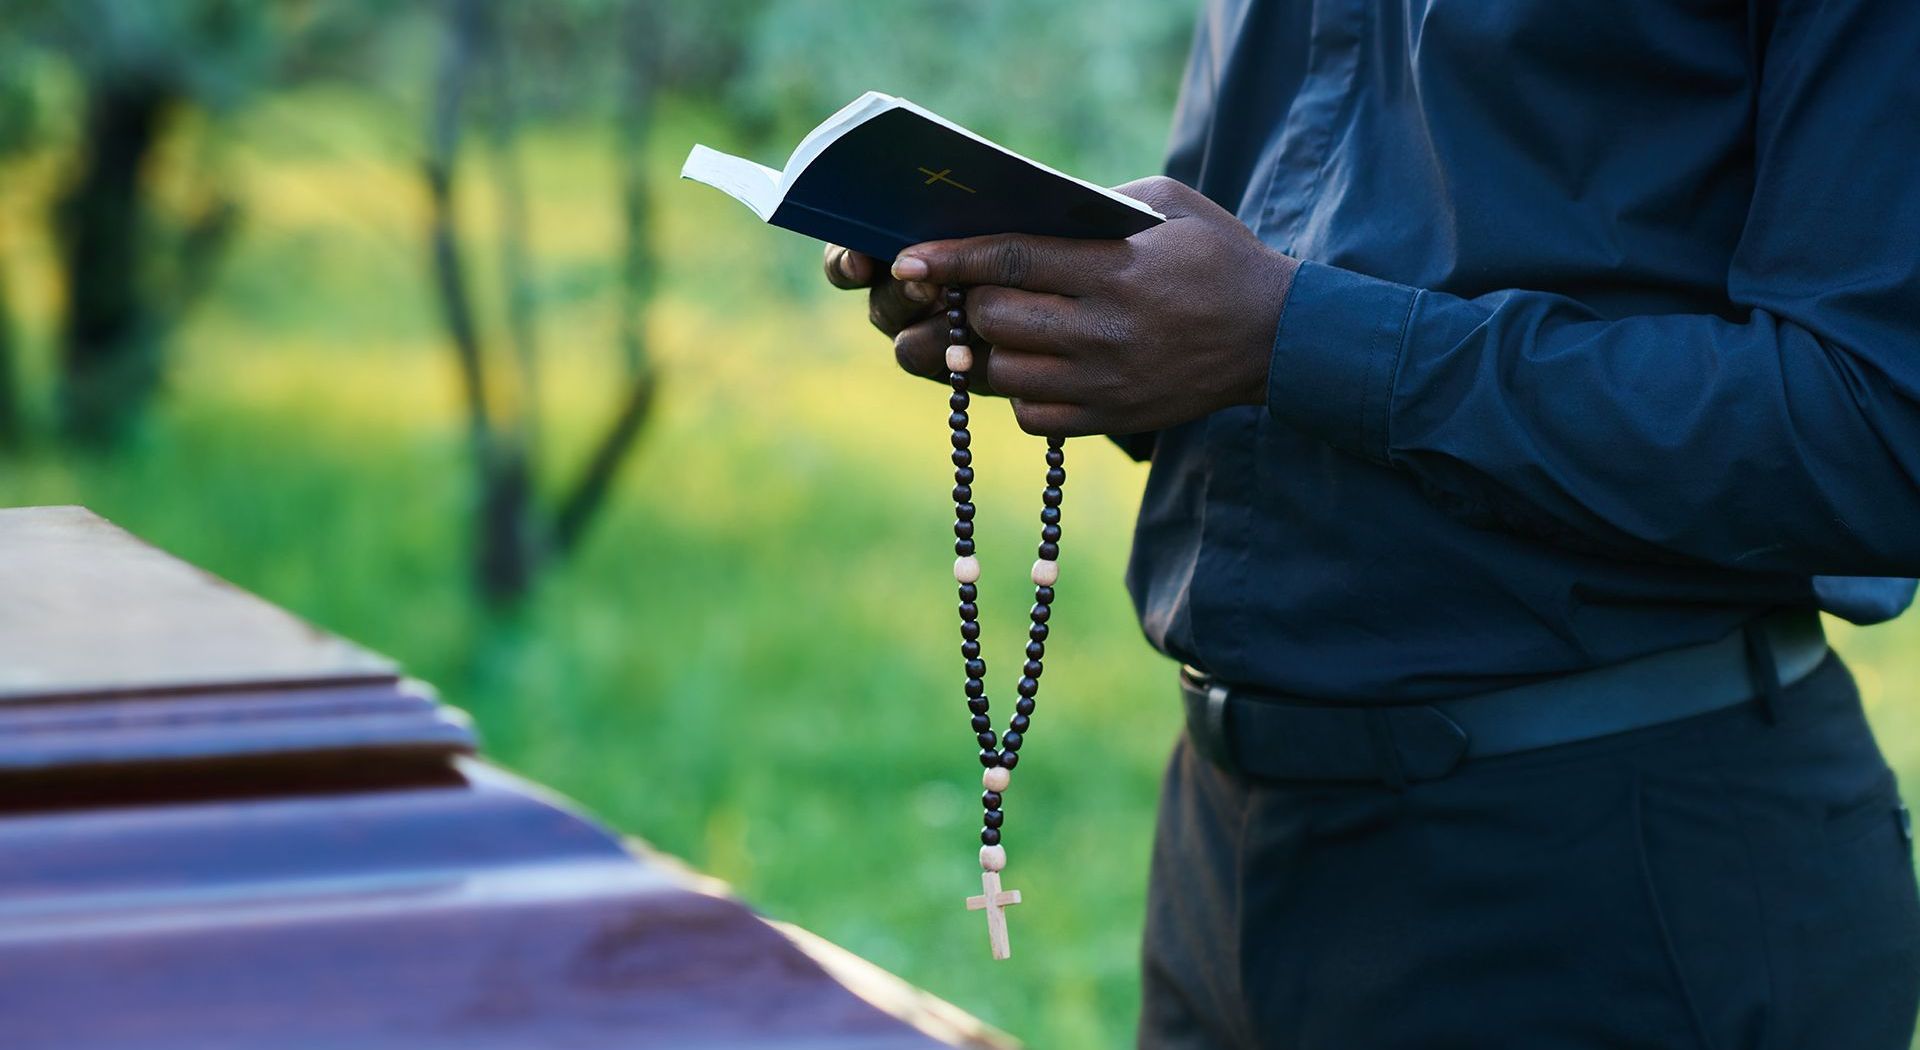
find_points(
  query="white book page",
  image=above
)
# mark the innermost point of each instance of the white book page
(754, 185)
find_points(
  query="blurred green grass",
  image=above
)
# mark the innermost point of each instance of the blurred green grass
(753, 663)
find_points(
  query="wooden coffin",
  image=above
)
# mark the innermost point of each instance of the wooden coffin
(221, 827)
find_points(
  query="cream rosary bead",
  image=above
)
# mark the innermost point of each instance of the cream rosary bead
(959, 358)
(993, 858)
(1046, 573)
(997, 778)
(966, 568)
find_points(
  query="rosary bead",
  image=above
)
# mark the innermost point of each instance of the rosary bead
(955, 297)
(962, 494)
(990, 799)
(957, 421)
(976, 668)
(964, 548)
(962, 439)
(969, 627)
(990, 836)
(989, 758)
(969, 649)
(1055, 457)
(1056, 476)
(956, 336)
(1038, 632)
(1050, 534)
(1011, 742)
(969, 611)
(993, 818)
(975, 686)
(962, 458)
(964, 509)
(966, 569)
(995, 778)
(1036, 650)
(1049, 551)
(963, 528)
(977, 704)
(1055, 441)
(959, 401)
(969, 592)
(1027, 686)
(1046, 572)
(1009, 759)
(957, 379)
(1050, 496)
(1019, 723)
(1023, 706)
(1049, 515)
(956, 316)
(1040, 613)
(993, 858)
(982, 723)
(1043, 595)
(986, 738)
(960, 358)
(1031, 669)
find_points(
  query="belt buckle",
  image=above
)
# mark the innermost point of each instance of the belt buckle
(1207, 726)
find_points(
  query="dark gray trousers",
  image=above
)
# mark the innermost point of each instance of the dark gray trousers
(1728, 882)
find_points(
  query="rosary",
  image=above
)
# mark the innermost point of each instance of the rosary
(966, 569)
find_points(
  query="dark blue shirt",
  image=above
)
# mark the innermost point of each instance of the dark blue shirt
(1607, 339)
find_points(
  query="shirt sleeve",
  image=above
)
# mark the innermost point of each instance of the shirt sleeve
(1782, 435)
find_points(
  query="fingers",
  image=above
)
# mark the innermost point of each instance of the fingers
(1034, 321)
(921, 349)
(1040, 264)
(894, 306)
(1053, 419)
(849, 269)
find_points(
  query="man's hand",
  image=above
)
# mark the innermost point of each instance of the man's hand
(1107, 337)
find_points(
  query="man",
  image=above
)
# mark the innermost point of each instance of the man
(1555, 359)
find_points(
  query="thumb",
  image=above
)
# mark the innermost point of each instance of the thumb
(1167, 196)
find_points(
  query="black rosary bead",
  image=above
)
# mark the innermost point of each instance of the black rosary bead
(1050, 534)
(964, 474)
(1038, 632)
(977, 704)
(982, 723)
(969, 627)
(1050, 496)
(986, 738)
(989, 836)
(1055, 457)
(1049, 551)
(1040, 613)
(962, 494)
(958, 380)
(961, 438)
(990, 799)
(989, 758)
(993, 818)
(955, 297)
(963, 547)
(1055, 441)
(976, 669)
(961, 458)
(1009, 759)
(970, 648)
(1036, 650)
(964, 529)
(957, 318)
(1056, 477)
(1049, 515)
(956, 336)
(1031, 669)
(1023, 706)
(976, 687)
(1019, 723)
(970, 612)
(1011, 741)
(969, 592)
(959, 402)
(1027, 686)
(1043, 595)
(958, 420)
(964, 509)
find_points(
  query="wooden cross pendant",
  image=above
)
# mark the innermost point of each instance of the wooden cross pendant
(995, 901)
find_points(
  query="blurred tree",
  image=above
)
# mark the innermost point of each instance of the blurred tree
(515, 534)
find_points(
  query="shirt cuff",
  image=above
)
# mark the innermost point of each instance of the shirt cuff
(1335, 354)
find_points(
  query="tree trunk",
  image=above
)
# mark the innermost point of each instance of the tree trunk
(111, 360)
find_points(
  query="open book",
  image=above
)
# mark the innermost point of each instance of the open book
(883, 173)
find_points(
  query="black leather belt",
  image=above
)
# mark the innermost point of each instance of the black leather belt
(1277, 737)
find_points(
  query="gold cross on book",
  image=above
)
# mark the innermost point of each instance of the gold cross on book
(941, 176)
(995, 901)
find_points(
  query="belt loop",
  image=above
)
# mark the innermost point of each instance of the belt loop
(1763, 671)
(1220, 744)
(1386, 755)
